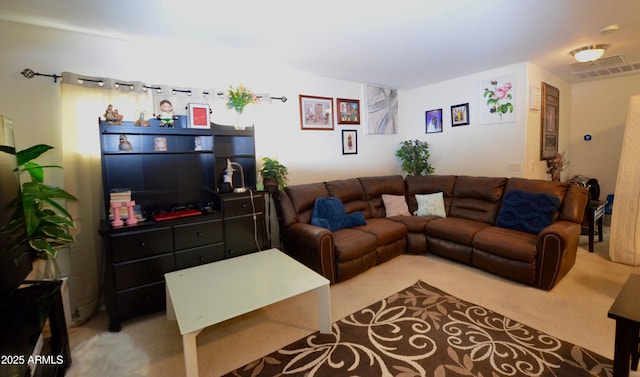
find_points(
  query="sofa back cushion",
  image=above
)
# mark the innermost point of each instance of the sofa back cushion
(303, 198)
(351, 193)
(539, 186)
(429, 184)
(375, 187)
(477, 198)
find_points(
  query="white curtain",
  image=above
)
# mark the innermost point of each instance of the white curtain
(81, 108)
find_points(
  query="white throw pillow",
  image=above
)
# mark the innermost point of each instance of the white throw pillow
(430, 205)
(395, 205)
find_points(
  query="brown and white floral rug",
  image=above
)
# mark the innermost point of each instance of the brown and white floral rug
(423, 331)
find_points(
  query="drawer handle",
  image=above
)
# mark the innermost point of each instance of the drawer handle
(199, 234)
(201, 258)
(244, 205)
(143, 244)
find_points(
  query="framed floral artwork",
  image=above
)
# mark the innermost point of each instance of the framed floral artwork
(199, 115)
(460, 115)
(348, 111)
(349, 142)
(498, 99)
(316, 113)
(433, 121)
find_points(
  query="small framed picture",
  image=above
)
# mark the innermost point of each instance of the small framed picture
(348, 111)
(460, 115)
(349, 142)
(433, 119)
(316, 113)
(199, 115)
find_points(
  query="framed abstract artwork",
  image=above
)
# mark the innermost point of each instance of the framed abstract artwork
(382, 110)
(316, 113)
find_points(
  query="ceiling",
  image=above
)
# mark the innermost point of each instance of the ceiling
(402, 44)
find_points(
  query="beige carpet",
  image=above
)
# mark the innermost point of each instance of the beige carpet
(575, 311)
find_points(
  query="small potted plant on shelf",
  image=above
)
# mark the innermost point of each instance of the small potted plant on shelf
(414, 155)
(274, 175)
(39, 225)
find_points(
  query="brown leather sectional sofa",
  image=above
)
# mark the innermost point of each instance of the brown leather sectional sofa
(469, 233)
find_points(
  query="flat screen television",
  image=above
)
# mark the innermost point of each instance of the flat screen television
(12, 273)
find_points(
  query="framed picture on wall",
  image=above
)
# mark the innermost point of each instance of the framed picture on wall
(199, 115)
(349, 142)
(433, 121)
(316, 113)
(382, 110)
(348, 111)
(549, 118)
(460, 115)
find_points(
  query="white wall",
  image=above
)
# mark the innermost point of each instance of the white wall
(600, 109)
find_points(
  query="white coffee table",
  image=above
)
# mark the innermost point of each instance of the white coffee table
(202, 296)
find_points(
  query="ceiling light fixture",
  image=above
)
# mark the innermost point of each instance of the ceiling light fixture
(589, 53)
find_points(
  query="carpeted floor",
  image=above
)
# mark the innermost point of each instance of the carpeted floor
(574, 311)
(423, 331)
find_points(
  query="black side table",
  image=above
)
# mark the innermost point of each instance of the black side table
(594, 214)
(626, 311)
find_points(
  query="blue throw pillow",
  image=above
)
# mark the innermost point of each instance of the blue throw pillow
(329, 213)
(527, 212)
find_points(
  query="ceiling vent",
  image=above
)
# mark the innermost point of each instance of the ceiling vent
(612, 65)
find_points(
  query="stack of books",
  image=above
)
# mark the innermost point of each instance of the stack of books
(119, 196)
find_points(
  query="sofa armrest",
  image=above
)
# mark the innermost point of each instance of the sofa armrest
(313, 246)
(557, 247)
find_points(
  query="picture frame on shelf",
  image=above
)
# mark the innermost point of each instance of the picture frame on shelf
(433, 121)
(460, 115)
(549, 121)
(348, 111)
(316, 113)
(349, 142)
(199, 115)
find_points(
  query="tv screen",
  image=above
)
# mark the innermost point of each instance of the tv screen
(12, 274)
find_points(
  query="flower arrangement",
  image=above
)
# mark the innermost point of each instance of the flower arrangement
(555, 165)
(240, 97)
(499, 98)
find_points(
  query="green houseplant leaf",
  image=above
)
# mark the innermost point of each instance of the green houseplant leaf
(273, 169)
(414, 155)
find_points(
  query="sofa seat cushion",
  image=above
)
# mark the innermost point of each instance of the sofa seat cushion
(455, 229)
(507, 243)
(385, 231)
(414, 224)
(353, 244)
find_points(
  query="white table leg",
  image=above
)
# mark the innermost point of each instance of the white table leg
(324, 308)
(190, 353)
(171, 313)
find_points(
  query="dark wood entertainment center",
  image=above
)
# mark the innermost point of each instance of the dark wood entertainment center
(167, 169)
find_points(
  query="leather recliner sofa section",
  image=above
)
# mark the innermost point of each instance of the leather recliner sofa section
(469, 233)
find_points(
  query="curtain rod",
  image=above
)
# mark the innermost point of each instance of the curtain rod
(29, 73)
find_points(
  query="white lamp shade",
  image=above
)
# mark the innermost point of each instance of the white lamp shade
(589, 53)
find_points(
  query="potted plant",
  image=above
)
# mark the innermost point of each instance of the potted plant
(555, 165)
(274, 174)
(39, 224)
(414, 155)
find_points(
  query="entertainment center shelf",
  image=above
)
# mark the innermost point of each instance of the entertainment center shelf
(167, 169)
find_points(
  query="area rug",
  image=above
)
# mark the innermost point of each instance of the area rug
(108, 355)
(423, 331)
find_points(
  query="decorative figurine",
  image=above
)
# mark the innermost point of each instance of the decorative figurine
(166, 114)
(124, 144)
(141, 121)
(109, 116)
(118, 117)
(197, 143)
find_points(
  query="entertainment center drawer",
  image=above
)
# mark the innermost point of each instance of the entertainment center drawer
(144, 300)
(241, 205)
(200, 255)
(135, 245)
(198, 234)
(143, 271)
